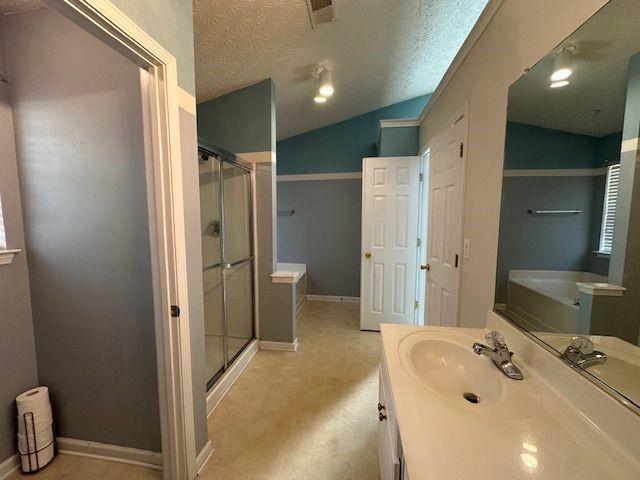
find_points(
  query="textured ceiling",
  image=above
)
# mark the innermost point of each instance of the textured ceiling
(381, 52)
(18, 6)
(604, 45)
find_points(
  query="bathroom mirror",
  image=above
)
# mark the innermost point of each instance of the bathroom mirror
(569, 251)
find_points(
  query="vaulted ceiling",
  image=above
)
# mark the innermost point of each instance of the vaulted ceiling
(8, 7)
(380, 52)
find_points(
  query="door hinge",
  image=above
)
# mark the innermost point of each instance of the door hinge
(416, 305)
(421, 177)
(461, 149)
(175, 311)
(419, 242)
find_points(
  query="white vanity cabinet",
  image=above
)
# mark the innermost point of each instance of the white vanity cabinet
(389, 444)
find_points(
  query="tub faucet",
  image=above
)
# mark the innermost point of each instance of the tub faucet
(581, 353)
(499, 353)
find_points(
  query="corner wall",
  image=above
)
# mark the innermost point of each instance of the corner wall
(519, 35)
(17, 345)
(80, 146)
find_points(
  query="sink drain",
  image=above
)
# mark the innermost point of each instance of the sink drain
(471, 397)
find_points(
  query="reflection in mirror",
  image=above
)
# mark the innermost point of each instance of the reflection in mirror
(569, 250)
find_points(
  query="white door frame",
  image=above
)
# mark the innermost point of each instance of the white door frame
(166, 220)
(462, 114)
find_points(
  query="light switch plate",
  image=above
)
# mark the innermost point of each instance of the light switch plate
(467, 249)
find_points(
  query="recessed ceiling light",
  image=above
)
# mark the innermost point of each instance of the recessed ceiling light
(560, 84)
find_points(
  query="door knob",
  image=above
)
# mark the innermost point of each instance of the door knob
(367, 254)
(426, 267)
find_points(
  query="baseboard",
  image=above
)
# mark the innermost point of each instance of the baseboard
(217, 393)
(282, 346)
(9, 466)
(204, 456)
(333, 298)
(112, 453)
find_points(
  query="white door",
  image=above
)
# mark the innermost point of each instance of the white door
(389, 240)
(446, 171)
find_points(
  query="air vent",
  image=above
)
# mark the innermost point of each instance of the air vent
(320, 11)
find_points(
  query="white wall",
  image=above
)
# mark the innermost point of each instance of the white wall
(520, 34)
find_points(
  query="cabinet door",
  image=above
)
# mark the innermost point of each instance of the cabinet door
(387, 449)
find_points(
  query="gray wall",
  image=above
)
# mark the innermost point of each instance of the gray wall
(17, 347)
(77, 114)
(544, 242)
(324, 233)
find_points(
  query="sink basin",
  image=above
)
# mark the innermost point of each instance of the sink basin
(445, 364)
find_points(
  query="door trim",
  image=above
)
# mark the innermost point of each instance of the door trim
(166, 220)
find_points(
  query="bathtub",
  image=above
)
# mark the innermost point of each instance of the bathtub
(547, 300)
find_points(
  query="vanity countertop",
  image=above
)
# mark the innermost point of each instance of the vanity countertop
(545, 439)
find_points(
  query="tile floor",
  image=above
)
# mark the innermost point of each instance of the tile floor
(71, 467)
(304, 415)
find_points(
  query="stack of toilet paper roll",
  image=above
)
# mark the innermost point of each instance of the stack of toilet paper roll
(35, 429)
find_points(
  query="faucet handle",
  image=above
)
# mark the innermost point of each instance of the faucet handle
(495, 339)
(582, 345)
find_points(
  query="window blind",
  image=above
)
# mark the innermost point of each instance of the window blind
(609, 210)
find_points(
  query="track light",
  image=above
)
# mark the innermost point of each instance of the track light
(319, 98)
(325, 83)
(562, 68)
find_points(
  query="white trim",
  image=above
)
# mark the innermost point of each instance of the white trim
(110, 453)
(217, 393)
(266, 156)
(630, 145)
(186, 101)
(204, 456)
(6, 256)
(166, 222)
(9, 466)
(557, 172)
(481, 24)
(333, 298)
(280, 346)
(319, 176)
(400, 122)
(601, 289)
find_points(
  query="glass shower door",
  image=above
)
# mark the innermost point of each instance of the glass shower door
(237, 247)
(211, 223)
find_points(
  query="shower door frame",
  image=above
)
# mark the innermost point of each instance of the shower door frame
(222, 159)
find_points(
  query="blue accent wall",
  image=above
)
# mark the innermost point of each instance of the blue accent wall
(399, 141)
(240, 121)
(342, 146)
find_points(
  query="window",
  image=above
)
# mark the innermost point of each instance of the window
(609, 210)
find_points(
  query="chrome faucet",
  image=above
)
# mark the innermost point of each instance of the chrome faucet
(499, 353)
(581, 353)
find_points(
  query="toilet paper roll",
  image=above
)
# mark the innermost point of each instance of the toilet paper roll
(30, 443)
(35, 400)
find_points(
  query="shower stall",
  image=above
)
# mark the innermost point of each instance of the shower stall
(227, 257)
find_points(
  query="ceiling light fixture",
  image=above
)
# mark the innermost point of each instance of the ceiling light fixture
(560, 84)
(562, 64)
(325, 85)
(319, 98)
